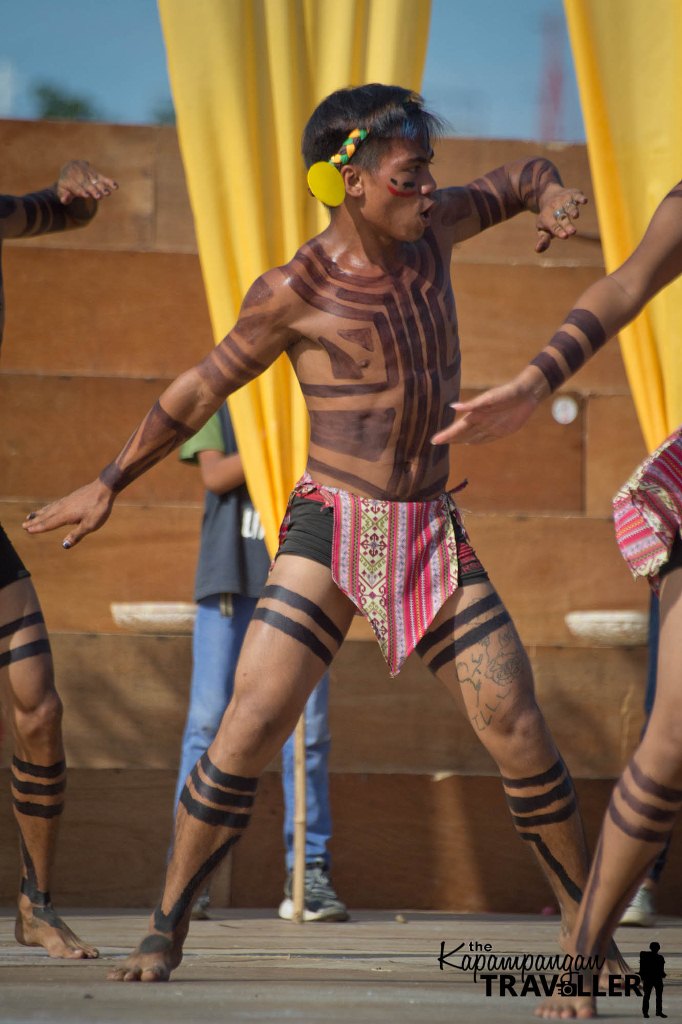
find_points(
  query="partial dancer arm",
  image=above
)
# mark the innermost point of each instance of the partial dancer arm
(259, 336)
(70, 202)
(600, 312)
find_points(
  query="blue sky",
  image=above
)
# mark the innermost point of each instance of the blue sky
(487, 62)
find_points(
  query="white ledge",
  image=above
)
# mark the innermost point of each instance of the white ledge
(611, 628)
(155, 616)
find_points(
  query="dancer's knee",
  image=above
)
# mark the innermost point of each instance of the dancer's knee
(516, 737)
(38, 725)
(661, 750)
(254, 731)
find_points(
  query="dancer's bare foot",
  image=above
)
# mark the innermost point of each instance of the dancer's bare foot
(567, 1008)
(153, 960)
(42, 926)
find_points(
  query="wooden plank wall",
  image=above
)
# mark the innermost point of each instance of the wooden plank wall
(98, 321)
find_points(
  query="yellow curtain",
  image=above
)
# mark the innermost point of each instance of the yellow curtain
(627, 59)
(246, 75)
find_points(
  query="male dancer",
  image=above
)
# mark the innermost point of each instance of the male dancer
(648, 510)
(30, 701)
(366, 314)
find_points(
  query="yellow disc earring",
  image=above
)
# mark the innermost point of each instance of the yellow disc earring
(325, 181)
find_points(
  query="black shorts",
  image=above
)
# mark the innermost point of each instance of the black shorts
(11, 566)
(675, 560)
(311, 526)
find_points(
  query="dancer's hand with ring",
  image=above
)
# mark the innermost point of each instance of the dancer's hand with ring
(79, 180)
(560, 208)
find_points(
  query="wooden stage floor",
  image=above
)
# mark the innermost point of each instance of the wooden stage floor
(248, 966)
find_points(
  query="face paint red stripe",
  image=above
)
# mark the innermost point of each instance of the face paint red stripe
(399, 192)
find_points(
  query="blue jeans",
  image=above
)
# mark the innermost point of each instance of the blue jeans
(216, 645)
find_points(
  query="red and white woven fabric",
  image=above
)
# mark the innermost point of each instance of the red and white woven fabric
(395, 560)
(647, 510)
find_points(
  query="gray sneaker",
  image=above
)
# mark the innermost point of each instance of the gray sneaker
(321, 902)
(201, 907)
(641, 911)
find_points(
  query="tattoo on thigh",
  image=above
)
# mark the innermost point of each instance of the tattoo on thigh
(481, 643)
(490, 667)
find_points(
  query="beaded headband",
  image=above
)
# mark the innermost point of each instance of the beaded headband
(324, 177)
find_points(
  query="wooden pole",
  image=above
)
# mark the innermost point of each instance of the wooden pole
(298, 883)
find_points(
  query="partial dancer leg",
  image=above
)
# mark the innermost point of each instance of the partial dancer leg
(38, 774)
(642, 809)
(296, 630)
(473, 647)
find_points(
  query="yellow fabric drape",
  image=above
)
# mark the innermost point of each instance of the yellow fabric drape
(627, 59)
(246, 75)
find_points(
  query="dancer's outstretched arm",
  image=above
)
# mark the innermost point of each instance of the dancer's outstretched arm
(259, 336)
(600, 312)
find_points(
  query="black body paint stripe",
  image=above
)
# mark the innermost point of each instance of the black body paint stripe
(526, 804)
(38, 788)
(242, 783)
(211, 816)
(547, 819)
(169, 922)
(447, 629)
(470, 639)
(294, 600)
(573, 890)
(570, 348)
(673, 796)
(536, 780)
(41, 646)
(590, 325)
(38, 810)
(218, 796)
(23, 623)
(296, 631)
(650, 811)
(37, 898)
(550, 369)
(40, 771)
(646, 835)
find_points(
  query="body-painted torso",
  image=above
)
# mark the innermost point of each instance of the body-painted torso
(378, 362)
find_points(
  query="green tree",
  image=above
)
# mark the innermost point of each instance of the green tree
(54, 103)
(163, 112)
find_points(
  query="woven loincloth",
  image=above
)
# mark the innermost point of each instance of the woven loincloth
(395, 560)
(647, 510)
